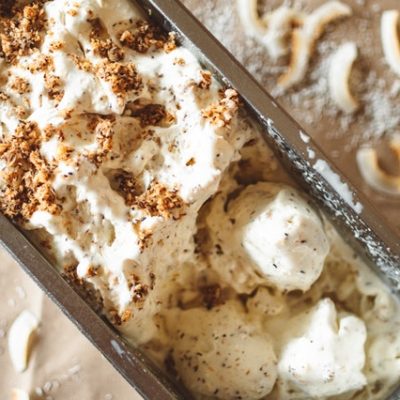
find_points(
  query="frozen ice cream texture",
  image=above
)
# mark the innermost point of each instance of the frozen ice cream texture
(151, 185)
(208, 352)
(325, 356)
(281, 234)
(271, 235)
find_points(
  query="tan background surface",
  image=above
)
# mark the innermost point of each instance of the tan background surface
(64, 365)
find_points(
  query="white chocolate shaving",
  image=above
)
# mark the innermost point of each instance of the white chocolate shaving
(19, 339)
(19, 394)
(304, 38)
(339, 75)
(390, 39)
(254, 26)
(367, 160)
(272, 29)
(279, 24)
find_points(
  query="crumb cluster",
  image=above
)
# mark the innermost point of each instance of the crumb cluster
(104, 137)
(123, 78)
(138, 289)
(221, 113)
(53, 85)
(20, 85)
(102, 44)
(128, 187)
(145, 37)
(27, 175)
(205, 81)
(22, 33)
(158, 200)
(41, 63)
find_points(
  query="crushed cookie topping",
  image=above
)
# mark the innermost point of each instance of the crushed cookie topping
(103, 45)
(149, 114)
(42, 63)
(20, 85)
(139, 292)
(170, 45)
(21, 112)
(147, 37)
(53, 85)
(27, 176)
(123, 78)
(64, 152)
(138, 289)
(222, 113)
(117, 318)
(93, 271)
(104, 133)
(114, 317)
(104, 137)
(21, 33)
(82, 63)
(144, 236)
(72, 12)
(51, 131)
(179, 61)
(126, 316)
(158, 200)
(190, 162)
(128, 187)
(3, 96)
(84, 288)
(58, 45)
(205, 81)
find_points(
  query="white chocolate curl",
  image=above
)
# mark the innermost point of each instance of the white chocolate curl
(19, 338)
(390, 39)
(272, 29)
(279, 23)
(368, 164)
(304, 38)
(339, 76)
(254, 26)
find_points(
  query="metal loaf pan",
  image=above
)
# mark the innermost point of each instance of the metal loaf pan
(365, 231)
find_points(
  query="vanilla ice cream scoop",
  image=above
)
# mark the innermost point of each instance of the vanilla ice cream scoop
(218, 353)
(325, 356)
(280, 234)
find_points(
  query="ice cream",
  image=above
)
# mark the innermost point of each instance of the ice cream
(275, 236)
(208, 351)
(133, 144)
(141, 176)
(325, 355)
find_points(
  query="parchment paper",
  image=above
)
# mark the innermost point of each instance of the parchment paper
(63, 365)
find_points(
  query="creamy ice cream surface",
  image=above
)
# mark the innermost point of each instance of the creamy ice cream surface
(325, 356)
(207, 344)
(143, 178)
(275, 236)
